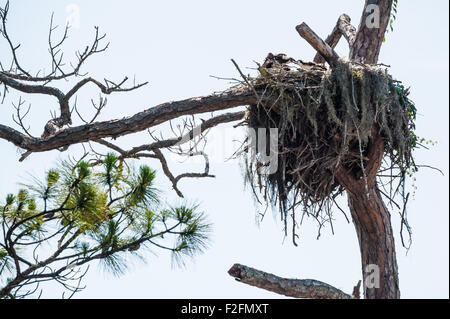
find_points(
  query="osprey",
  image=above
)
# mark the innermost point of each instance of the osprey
(310, 66)
(276, 59)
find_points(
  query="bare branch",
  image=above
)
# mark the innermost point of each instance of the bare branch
(214, 121)
(28, 88)
(167, 171)
(3, 17)
(136, 123)
(343, 27)
(297, 288)
(137, 152)
(106, 89)
(56, 55)
(20, 117)
(317, 43)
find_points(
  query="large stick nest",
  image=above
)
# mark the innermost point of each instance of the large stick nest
(325, 119)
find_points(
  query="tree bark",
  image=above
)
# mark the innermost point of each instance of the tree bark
(297, 288)
(317, 43)
(373, 227)
(376, 241)
(370, 216)
(343, 28)
(369, 38)
(139, 122)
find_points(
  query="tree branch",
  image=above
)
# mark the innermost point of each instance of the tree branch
(347, 29)
(214, 121)
(30, 88)
(156, 147)
(343, 28)
(297, 288)
(105, 89)
(318, 44)
(136, 123)
(374, 157)
(56, 55)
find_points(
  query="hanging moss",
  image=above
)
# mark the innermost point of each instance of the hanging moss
(325, 118)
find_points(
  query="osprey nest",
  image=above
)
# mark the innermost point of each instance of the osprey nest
(325, 119)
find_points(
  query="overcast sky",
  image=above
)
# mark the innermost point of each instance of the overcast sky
(176, 46)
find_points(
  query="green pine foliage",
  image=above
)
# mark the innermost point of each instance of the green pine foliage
(82, 212)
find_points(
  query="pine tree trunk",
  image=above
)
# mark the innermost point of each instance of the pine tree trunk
(370, 216)
(369, 38)
(373, 227)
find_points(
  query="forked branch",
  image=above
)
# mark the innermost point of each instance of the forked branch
(343, 28)
(136, 123)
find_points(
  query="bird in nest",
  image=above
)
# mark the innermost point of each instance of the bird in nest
(309, 66)
(281, 60)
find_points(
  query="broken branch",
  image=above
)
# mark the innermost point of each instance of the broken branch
(343, 28)
(317, 43)
(297, 288)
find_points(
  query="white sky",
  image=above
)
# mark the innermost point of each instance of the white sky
(176, 46)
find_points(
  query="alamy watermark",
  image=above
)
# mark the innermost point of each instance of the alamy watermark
(73, 17)
(261, 146)
(372, 279)
(264, 149)
(373, 18)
